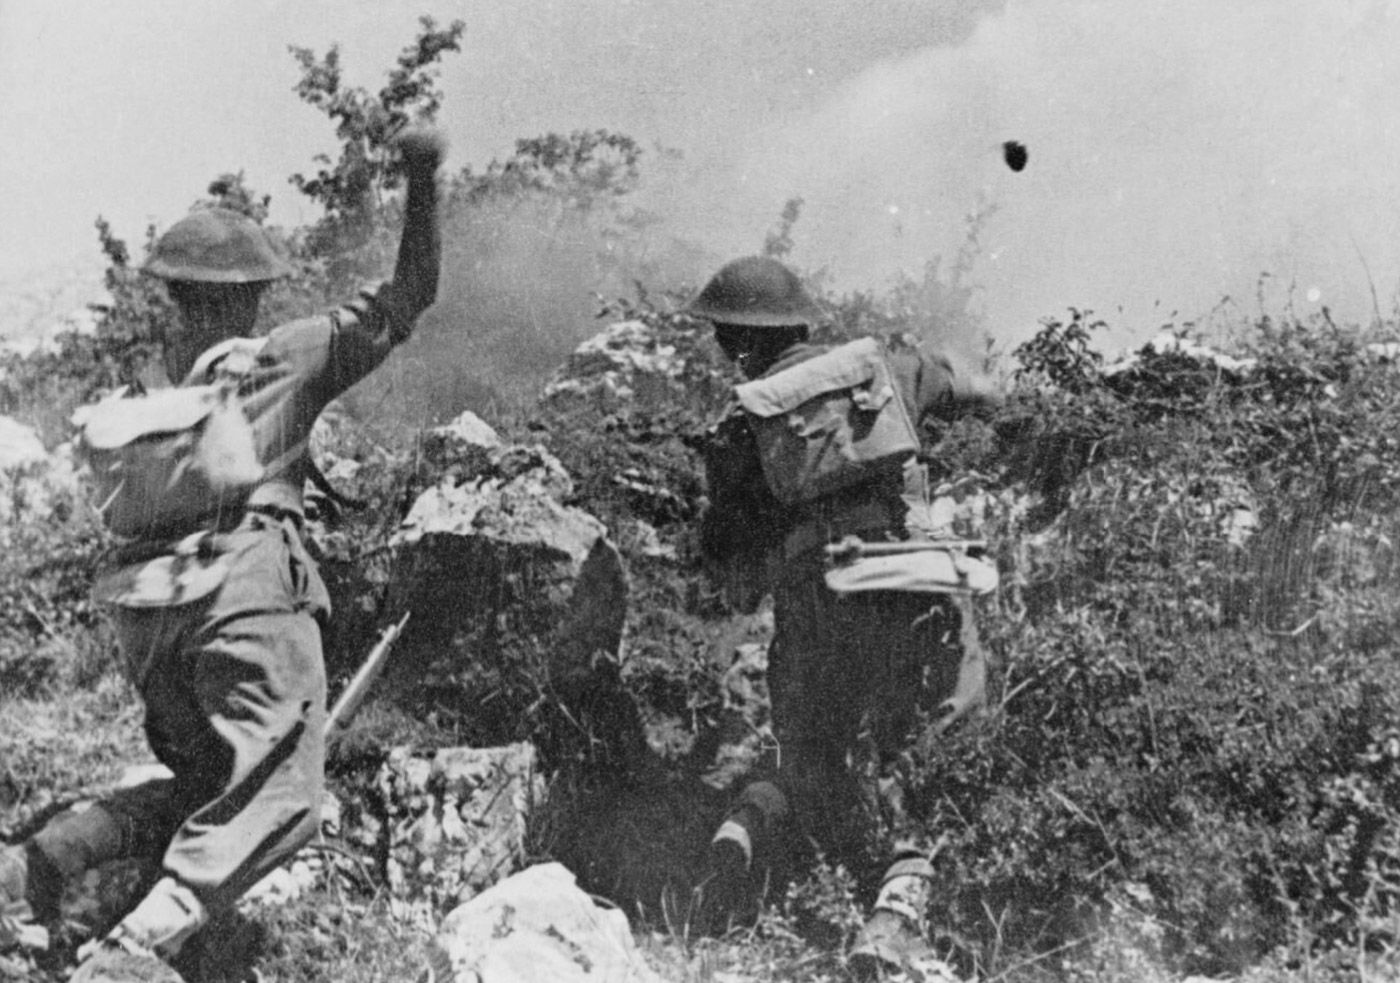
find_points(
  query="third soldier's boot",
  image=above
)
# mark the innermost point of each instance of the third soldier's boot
(730, 894)
(895, 936)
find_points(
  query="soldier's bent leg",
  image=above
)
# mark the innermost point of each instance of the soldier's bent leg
(935, 665)
(818, 683)
(256, 753)
(235, 690)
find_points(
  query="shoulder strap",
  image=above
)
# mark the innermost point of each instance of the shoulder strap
(230, 357)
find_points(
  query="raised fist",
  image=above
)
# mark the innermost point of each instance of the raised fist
(421, 149)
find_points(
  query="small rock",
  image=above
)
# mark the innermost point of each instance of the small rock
(614, 362)
(537, 925)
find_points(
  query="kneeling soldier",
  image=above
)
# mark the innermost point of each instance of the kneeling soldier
(216, 604)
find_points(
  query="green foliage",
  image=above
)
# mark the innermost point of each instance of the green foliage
(1196, 694)
(366, 123)
(50, 632)
(1061, 355)
(356, 238)
(822, 908)
(350, 937)
(582, 170)
(778, 242)
(229, 191)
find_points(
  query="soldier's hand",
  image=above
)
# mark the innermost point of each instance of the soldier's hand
(422, 149)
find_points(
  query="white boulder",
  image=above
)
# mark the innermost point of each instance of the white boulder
(536, 925)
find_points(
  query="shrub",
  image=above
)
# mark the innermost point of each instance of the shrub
(1202, 715)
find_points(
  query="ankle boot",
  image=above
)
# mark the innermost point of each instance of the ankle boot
(730, 893)
(895, 936)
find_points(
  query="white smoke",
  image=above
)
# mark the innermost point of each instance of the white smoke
(1178, 150)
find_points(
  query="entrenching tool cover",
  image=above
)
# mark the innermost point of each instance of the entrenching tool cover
(933, 570)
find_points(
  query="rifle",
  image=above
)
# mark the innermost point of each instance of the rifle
(853, 548)
(354, 693)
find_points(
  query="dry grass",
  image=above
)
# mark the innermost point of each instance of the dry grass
(57, 743)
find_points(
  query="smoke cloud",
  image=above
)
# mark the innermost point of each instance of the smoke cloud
(1178, 150)
(1189, 161)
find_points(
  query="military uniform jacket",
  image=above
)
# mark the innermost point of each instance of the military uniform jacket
(285, 380)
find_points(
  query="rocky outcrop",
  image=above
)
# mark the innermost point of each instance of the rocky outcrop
(615, 362)
(519, 598)
(508, 570)
(466, 445)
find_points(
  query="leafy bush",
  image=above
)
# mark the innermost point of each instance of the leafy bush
(1191, 706)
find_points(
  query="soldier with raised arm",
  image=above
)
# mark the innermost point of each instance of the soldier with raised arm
(216, 604)
(821, 451)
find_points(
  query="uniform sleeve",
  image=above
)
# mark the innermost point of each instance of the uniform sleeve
(932, 387)
(334, 351)
(927, 383)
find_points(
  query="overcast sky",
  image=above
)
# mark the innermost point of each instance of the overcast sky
(1179, 148)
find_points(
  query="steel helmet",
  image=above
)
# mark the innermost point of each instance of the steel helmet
(755, 291)
(216, 245)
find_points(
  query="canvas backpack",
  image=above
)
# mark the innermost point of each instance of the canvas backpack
(164, 461)
(828, 423)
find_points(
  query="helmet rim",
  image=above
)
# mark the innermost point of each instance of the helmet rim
(216, 245)
(755, 292)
